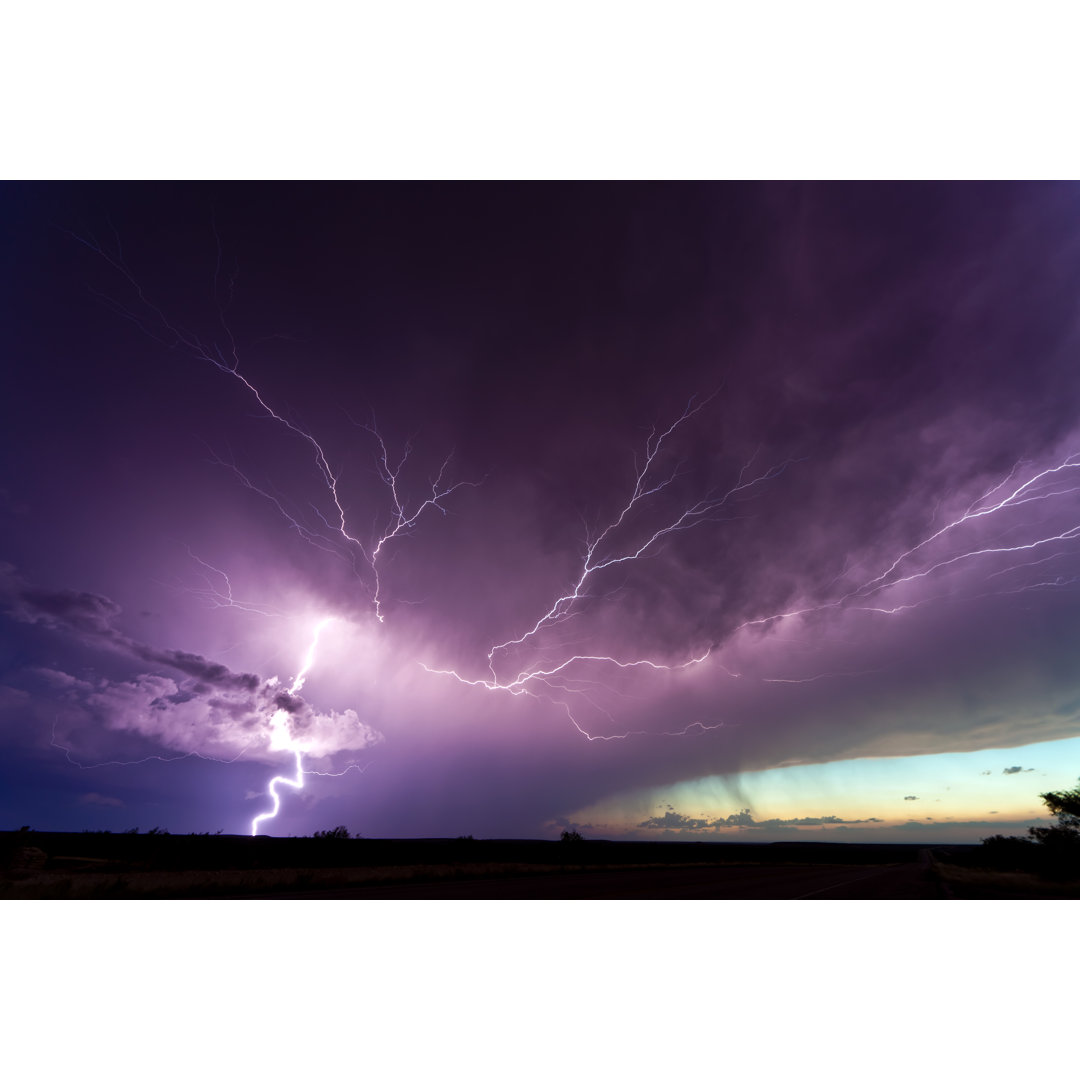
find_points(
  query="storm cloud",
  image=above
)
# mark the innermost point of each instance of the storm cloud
(206, 710)
(751, 477)
(90, 619)
(745, 820)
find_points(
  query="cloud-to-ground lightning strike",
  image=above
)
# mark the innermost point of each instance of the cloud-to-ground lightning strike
(281, 739)
(402, 517)
(536, 662)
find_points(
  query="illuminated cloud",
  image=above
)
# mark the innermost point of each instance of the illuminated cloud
(206, 710)
(95, 798)
(852, 532)
(745, 820)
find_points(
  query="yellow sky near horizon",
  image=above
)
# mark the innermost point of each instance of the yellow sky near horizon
(981, 786)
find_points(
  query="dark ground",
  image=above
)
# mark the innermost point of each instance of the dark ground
(159, 866)
(907, 881)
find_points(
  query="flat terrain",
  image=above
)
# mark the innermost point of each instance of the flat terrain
(909, 881)
(159, 866)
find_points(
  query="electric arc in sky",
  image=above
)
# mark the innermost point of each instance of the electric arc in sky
(644, 521)
(280, 736)
(866, 542)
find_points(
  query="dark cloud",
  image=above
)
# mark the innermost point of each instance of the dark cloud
(209, 711)
(206, 671)
(885, 356)
(1015, 769)
(745, 820)
(582, 827)
(94, 798)
(91, 618)
(672, 820)
(289, 703)
(910, 798)
(65, 609)
(972, 825)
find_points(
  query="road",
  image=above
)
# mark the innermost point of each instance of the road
(905, 881)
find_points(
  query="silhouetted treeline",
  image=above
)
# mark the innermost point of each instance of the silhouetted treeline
(1057, 858)
(158, 850)
(1051, 851)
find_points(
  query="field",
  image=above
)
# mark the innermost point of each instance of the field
(37, 865)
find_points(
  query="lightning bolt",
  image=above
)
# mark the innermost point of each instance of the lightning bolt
(538, 660)
(135, 761)
(1052, 486)
(335, 536)
(619, 542)
(281, 737)
(402, 518)
(217, 591)
(1051, 489)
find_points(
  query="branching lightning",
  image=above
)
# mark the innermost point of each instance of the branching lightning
(991, 511)
(614, 545)
(1050, 487)
(402, 517)
(535, 661)
(217, 591)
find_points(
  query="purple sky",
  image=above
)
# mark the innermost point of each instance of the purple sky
(854, 541)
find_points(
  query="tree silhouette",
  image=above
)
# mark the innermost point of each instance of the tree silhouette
(338, 833)
(1065, 806)
(1049, 849)
(1064, 834)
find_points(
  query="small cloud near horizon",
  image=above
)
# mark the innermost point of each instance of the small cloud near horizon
(94, 798)
(744, 819)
